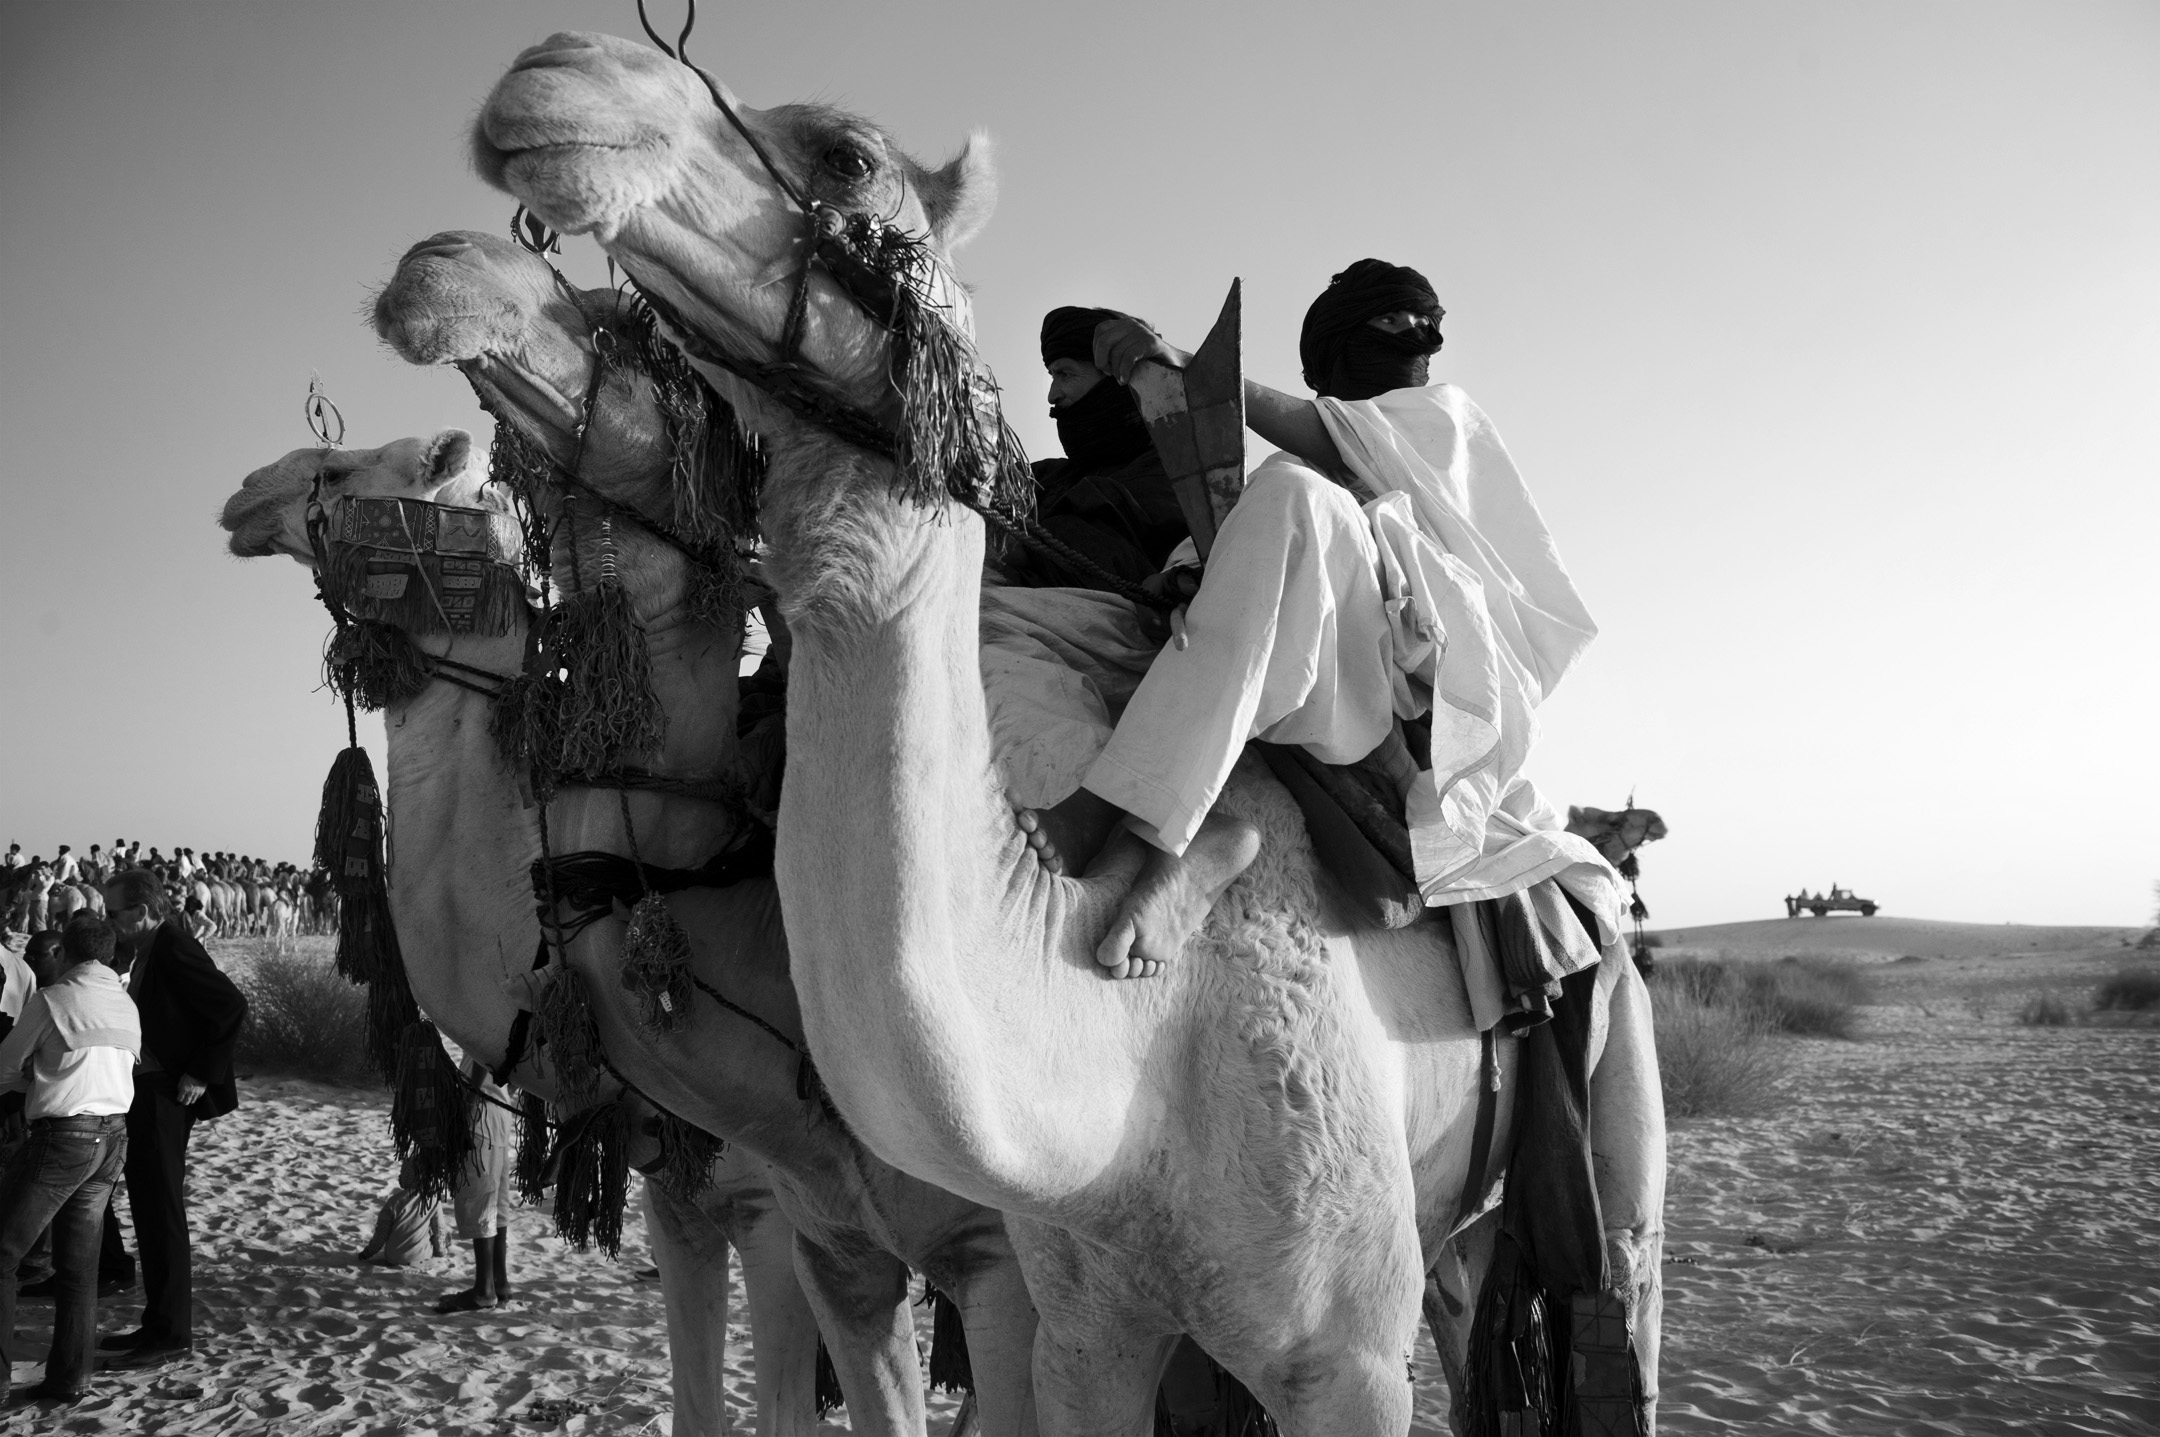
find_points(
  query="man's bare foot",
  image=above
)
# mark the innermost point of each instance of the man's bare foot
(1067, 836)
(1172, 896)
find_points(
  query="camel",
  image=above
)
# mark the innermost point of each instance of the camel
(525, 342)
(461, 900)
(1264, 1146)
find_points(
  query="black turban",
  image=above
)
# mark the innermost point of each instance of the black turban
(1069, 332)
(1364, 291)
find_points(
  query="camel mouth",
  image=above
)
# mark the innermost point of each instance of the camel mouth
(526, 392)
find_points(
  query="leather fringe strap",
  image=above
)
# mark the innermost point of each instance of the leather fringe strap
(374, 664)
(1511, 1385)
(428, 1110)
(593, 1159)
(588, 701)
(829, 1396)
(687, 1155)
(951, 1370)
(349, 846)
(656, 964)
(534, 1172)
(572, 1038)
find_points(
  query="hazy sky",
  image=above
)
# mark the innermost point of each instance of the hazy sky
(1828, 337)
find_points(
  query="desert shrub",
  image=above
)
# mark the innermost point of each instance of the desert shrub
(1810, 997)
(1715, 1059)
(2045, 1011)
(303, 1019)
(2130, 990)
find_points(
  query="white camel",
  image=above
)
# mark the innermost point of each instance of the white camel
(1265, 1146)
(461, 899)
(527, 344)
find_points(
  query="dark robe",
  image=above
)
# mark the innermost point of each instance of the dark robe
(1122, 516)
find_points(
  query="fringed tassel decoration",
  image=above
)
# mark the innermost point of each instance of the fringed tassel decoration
(430, 1117)
(599, 682)
(532, 1173)
(952, 426)
(525, 721)
(374, 664)
(593, 1184)
(1511, 1385)
(950, 1368)
(572, 1037)
(656, 964)
(829, 1396)
(687, 1155)
(349, 846)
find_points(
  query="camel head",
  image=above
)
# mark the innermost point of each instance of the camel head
(598, 135)
(526, 342)
(269, 513)
(1616, 833)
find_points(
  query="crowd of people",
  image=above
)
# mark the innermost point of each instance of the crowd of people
(116, 1037)
(217, 895)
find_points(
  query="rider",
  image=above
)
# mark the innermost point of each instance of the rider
(1109, 497)
(1390, 553)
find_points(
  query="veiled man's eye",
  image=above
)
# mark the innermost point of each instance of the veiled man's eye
(848, 161)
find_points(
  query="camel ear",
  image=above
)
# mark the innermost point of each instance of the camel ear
(446, 457)
(960, 195)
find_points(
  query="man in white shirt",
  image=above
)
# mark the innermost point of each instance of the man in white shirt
(74, 1050)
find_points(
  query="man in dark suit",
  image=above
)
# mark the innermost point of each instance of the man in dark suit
(191, 1016)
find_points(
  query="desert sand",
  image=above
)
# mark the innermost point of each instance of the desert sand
(1950, 1227)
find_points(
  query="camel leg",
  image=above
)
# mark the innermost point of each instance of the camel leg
(783, 1329)
(1000, 1320)
(1097, 1377)
(1451, 1293)
(860, 1295)
(1627, 1153)
(692, 1254)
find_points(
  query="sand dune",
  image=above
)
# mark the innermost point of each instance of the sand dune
(1882, 936)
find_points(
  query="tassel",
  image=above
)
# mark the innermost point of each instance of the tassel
(572, 1037)
(1511, 1387)
(525, 722)
(374, 664)
(594, 1181)
(656, 964)
(950, 1369)
(430, 1118)
(593, 701)
(532, 1173)
(687, 1155)
(348, 846)
(829, 1396)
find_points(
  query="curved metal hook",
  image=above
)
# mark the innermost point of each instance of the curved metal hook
(320, 412)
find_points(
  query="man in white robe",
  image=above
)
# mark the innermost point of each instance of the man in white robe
(1389, 563)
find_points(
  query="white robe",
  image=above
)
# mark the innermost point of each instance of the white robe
(1322, 619)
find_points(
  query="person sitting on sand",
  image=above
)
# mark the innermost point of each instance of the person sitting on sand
(75, 1051)
(481, 1200)
(409, 1226)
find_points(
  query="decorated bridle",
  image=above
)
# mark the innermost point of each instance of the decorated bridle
(894, 278)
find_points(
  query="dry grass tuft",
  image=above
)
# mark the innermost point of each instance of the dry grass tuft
(1714, 1059)
(1808, 996)
(2130, 990)
(303, 1019)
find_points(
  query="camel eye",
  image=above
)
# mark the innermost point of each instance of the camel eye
(849, 162)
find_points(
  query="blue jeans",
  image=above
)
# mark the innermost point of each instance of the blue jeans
(63, 1176)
